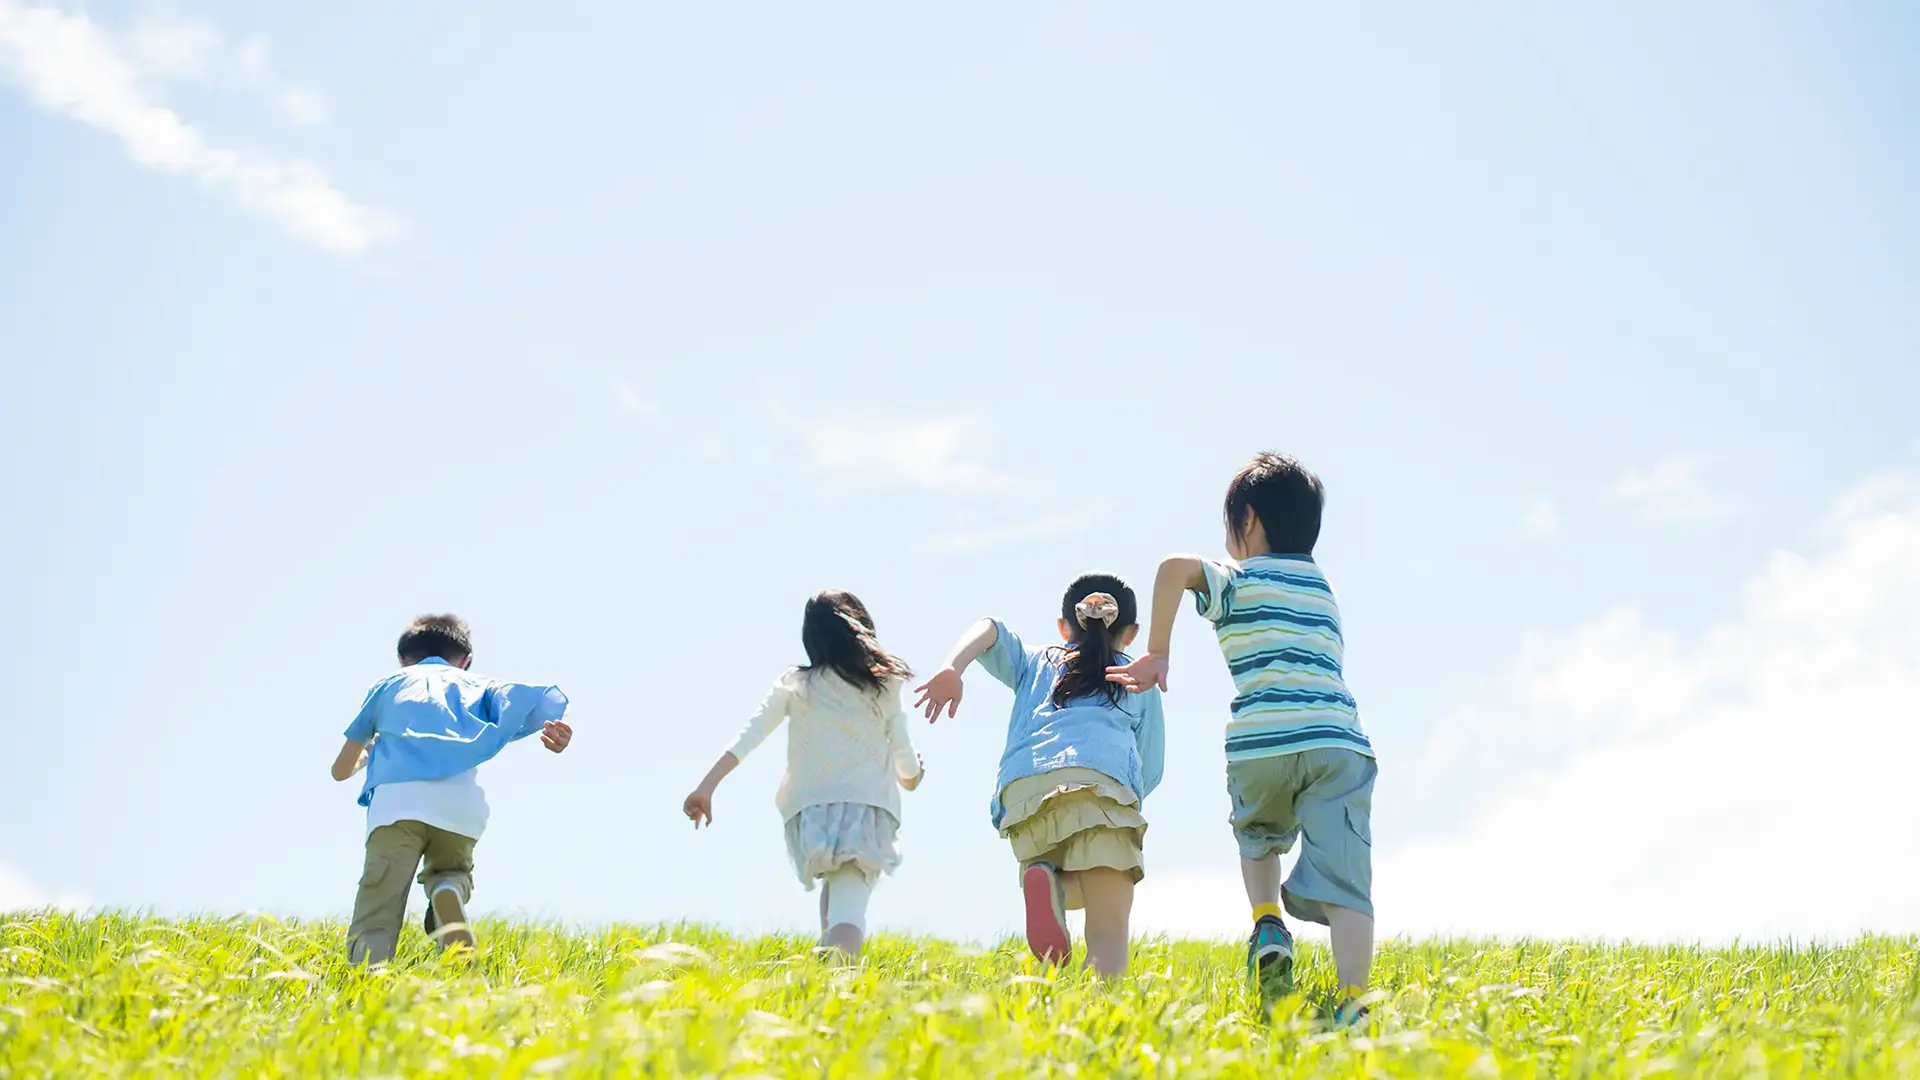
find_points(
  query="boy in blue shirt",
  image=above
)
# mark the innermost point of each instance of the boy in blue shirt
(421, 734)
(1299, 767)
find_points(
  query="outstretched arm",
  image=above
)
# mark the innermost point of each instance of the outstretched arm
(352, 758)
(699, 805)
(944, 690)
(773, 712)
(1178, 573)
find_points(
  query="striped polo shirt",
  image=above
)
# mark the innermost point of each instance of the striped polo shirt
(1279, 628)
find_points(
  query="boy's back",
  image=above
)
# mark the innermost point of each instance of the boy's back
(1279, 630)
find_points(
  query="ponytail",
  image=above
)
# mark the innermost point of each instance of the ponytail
(1097, 607)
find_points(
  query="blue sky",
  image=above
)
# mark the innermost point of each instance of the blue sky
(619, 331)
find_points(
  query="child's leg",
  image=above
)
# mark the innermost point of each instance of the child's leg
(1261, 876)
(380, 905)
(823, 911)
(1109, 899)
(1352, 946)
(448, 879)
(846, 909)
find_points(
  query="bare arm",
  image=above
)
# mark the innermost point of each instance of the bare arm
(699, 805)
(353, 758)
(1177, 575)
(944, 690)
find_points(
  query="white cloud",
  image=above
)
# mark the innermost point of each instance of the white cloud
(1674, 491)
(1541, 520)
(71, 66)
(19, 894)
(634, 403)
(968, 541)
(1752, 782)
(302, 106)
(939, 454)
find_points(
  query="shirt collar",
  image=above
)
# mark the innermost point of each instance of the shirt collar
(1289, 556)
(441, 660)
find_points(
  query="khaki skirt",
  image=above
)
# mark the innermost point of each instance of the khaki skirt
(1076, 819)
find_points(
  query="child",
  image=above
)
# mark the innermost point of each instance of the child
(420, 735)
(1078, 763)
(1298, 764)
(847, 749)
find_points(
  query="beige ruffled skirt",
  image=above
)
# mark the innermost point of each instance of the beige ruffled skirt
(1076, 819)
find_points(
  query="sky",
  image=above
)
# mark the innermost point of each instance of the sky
(621, 329)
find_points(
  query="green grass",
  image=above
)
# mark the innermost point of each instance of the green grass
(118, 995)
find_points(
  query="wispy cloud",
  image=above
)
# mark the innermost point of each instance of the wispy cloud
(70, 65)
(968, 541)
(634, 403)
(1542, 520)
(939, 454)
(1675, 490)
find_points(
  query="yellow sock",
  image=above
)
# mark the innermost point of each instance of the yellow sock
(1264, 910)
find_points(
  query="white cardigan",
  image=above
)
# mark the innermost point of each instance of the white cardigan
(846, 744)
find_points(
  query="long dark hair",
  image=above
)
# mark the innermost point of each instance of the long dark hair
(1090, 642)
(838, 635)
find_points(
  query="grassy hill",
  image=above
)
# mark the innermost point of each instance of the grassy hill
(249, 996)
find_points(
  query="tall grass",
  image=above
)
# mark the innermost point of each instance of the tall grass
(114, 995)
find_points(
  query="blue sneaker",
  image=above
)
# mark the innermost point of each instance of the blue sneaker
(1350, 1014)
(1270, 959)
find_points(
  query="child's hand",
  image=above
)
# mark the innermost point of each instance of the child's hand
(908, 783)
(943, 691)
(1143, 674)
(699, 808)
(555, 735)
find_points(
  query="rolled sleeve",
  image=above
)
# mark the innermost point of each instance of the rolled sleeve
(1216, 597)
(773, 712)
(1008, 659)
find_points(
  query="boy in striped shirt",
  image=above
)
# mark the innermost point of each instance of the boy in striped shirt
(1298, 765)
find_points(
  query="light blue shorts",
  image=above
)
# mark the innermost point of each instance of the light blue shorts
(1324, 795)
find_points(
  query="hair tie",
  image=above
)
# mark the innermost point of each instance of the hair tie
(1097, 607)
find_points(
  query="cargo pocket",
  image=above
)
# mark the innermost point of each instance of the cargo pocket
(377, 870)
(1361, 828)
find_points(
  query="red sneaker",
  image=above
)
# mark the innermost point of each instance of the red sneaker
(1046, 913)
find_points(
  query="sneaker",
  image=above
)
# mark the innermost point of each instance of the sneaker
(1350, 1014)
(1270, 958)
(445, 909)
(1046, 901)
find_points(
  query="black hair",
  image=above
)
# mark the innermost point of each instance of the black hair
(1090, 649)
(445, 636)
(838, 635)
(1284, 495)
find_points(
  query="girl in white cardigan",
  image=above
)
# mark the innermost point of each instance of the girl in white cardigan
(847, 749)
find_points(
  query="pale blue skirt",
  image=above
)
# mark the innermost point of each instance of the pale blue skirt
(824, 838)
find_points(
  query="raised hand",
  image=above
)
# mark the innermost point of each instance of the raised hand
(555, 735)
(1146, 673)
(943, 691)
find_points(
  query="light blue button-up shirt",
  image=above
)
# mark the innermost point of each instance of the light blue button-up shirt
(1126, 741)
(435, 720)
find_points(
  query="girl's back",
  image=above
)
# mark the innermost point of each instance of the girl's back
(847, 743)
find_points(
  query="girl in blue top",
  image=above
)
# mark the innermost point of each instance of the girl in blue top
(1080, 758)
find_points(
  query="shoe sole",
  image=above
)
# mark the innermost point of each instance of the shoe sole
(452, 919)
(1276, 975)
(1046, 930)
